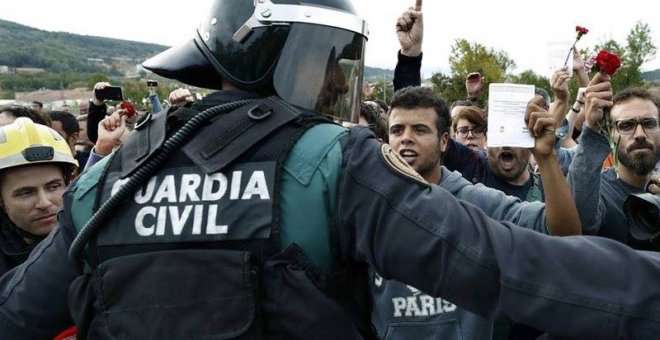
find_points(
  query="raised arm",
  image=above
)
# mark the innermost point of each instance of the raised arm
(422, 236)
(580, 69)
(410, 33)
(561, 213)
(584, 176)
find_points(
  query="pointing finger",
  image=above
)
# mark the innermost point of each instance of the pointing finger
(418, 5)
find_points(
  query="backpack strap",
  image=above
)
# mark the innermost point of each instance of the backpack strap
(237, 132)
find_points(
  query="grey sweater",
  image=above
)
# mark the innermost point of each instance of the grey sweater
(403, 312)
(599, 195)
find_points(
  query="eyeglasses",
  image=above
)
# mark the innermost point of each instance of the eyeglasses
(628, 126)
(464, 130)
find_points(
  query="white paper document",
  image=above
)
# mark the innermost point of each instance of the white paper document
(507, 104)
(560, 54)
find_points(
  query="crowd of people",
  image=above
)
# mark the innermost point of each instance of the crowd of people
(253, 213)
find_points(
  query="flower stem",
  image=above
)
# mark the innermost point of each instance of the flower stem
(569, 53)
(614, 146)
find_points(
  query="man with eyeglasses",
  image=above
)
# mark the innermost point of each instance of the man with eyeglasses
(632, 129)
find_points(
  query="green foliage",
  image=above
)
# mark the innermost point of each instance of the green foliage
(97, 78)
(375, 74)
(22, 46)
(640, 45)
(21, 82)
(496, 66)
(136, 92)
(530, 78)
(466, 57)
(383, 90)
(6, 95)
(639, 49)
(651, 75)
(450, 88)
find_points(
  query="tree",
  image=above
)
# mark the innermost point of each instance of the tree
(640, 45)
(466, 57)
(135, 90)
(530, 78)
(639, 49)
(97, 78)
(383, 90)
(450, 88)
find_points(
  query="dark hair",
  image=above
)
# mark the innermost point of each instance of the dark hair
(460, 103)
(539, 91)
(18, 111)
(423, 97)
(38, 103)
(382, 104)
(373, 118)
(635, 92)
(472, 114)
(68, 121)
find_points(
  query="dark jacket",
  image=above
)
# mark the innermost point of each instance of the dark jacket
(13, 248)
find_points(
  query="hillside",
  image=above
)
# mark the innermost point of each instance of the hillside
(374, 74)
(23, 46)
(652, 75)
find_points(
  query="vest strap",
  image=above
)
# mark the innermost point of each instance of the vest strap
(237, 132)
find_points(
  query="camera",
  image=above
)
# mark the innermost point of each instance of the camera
(152, 83)
(109, 93)
(643, 211)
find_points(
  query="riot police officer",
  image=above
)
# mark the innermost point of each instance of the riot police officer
(250, 215)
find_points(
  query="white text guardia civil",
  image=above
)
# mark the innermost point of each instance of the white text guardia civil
(180, 199)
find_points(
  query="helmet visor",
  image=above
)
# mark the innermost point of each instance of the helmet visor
(320, 69)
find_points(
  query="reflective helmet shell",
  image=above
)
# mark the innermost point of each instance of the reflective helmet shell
(25, 143)
(215, 54)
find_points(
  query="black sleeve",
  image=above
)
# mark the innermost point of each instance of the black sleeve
(471, 164)
(578, 287)
(407, 71)
(94, 117)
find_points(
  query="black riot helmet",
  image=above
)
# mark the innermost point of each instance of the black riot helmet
(309, 53)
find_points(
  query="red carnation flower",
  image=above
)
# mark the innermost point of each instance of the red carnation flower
(608, 62)
(581, 31)
(128, 108)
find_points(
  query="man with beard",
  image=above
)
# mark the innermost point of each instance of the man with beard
(509, 172)
(506, 168)
(634, 132)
